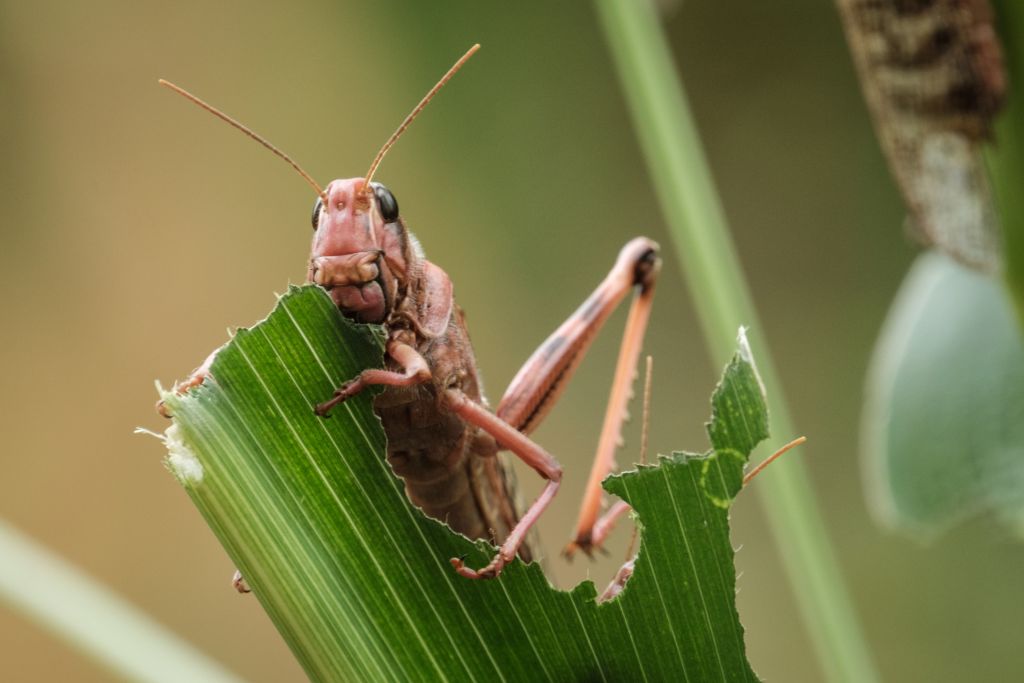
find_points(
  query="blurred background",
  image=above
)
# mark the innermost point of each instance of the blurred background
(135, 229)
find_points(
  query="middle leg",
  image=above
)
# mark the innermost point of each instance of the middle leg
(532, 454)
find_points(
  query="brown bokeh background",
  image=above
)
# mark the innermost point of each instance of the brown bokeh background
(135, 229)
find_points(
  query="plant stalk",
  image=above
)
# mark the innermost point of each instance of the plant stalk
(1006, 156)
(686, 192)
(83, 613)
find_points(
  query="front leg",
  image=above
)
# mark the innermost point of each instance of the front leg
(198, 376)
(414, 371)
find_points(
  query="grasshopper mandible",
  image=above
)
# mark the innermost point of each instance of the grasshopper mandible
(443, 441)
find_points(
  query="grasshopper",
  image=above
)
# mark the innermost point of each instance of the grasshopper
(442, 438)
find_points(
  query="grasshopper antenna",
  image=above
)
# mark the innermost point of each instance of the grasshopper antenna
(415, 112)
(248, 131)
(771, 458)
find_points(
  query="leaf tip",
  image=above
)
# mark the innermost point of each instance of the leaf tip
(744, 345)
(745, 353)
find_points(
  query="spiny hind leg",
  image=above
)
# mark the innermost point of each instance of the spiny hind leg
(540, 381)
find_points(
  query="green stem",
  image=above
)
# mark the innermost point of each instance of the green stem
(694, 214)
(1006, 158)
(87, 615)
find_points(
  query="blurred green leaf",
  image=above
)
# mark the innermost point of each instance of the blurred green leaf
(358, 580)
(74, 607)
(943, 429)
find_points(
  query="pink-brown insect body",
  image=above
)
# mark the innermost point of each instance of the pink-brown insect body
(442, 439)
(374, 272)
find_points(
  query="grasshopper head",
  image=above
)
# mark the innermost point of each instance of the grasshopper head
(362, 252)
(361, 249)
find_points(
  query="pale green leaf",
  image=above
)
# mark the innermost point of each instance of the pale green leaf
(943, 430)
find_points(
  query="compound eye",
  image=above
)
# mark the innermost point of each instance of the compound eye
(386, 201)
(316, 211)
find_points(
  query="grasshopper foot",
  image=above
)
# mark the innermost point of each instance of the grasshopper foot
(341, 394)
(181, 388)
(619, 582)
(584, 544)
(491, 571)
(590, 539)
(198, 376)
(239, 583)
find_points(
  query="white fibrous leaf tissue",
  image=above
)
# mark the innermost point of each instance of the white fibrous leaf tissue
(180, 460)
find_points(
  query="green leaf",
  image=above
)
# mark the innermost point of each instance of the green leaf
(358, 581)
(943, 430)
